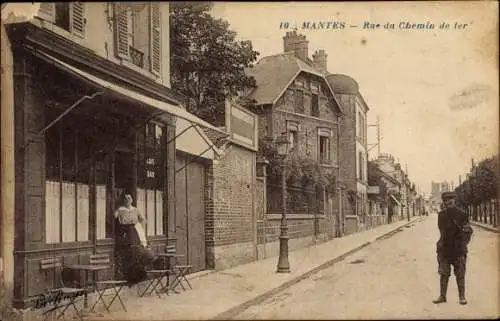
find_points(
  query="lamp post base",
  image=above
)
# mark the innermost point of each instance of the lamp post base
(283, 264)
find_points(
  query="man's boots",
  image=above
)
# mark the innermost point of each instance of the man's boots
(444, 287)
(461, 290)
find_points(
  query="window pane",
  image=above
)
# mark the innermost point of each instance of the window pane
(141, 204)
(68, 153)
(52, 212)
(68, 212)
(299, 101)
(314, 105)
(83, 156)
(83, 212)
(62, 15)
(100, 191)
(151, 212)
(159, 213)
(52, 155)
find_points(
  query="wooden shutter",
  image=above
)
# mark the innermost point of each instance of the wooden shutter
(155, 37)
(77, 18)
(47, 11)
(121, 31)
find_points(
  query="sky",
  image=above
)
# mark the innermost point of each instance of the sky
(435, 90)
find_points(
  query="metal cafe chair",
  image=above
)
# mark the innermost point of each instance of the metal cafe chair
(57, 300)
(155, 283)
(101, 286)
(179, 271)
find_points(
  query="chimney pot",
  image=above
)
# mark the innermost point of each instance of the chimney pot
(297, 44)
(320, 59)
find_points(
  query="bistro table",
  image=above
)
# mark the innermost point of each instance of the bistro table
(88, 269)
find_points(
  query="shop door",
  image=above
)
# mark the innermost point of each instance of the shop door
(190, 212)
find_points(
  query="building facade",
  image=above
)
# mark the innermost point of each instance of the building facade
(94, 117)
(353, 147)
(294, 98)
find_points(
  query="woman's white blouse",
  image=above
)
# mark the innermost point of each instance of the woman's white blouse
(129, 215)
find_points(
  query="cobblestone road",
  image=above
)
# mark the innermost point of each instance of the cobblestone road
(393, 278)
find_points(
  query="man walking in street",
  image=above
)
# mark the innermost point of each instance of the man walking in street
(455, 233)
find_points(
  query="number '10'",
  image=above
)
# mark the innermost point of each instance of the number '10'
(284, 25)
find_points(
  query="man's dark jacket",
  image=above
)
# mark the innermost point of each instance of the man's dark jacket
(455, 232)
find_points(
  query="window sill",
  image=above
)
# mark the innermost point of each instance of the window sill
(65, 33)
(138, 69)
(308, 117)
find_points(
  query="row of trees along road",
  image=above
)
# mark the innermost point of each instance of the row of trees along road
(481, 184)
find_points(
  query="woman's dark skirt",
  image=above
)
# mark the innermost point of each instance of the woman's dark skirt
(133, 258)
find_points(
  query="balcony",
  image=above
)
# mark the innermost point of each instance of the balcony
(136, 57)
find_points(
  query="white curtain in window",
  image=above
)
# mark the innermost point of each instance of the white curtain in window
(141, 204)
(159, 213)
(52, 212)
(82, 192)
(100, 191)
(68, 212)
(150, 199)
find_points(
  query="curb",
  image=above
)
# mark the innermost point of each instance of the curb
(226, 315)
(486, 227)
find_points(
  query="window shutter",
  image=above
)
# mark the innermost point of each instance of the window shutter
(155, 37)
(47, 11)
(77, 18)
(121, 31)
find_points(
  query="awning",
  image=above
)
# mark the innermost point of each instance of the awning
(395, 200)
(140, 98)
(189, 137)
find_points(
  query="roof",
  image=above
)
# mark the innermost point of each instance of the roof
(273, 74)
(343, 84)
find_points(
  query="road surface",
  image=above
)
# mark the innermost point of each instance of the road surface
(393, 278)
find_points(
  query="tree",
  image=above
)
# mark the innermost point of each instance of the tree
(207, 62)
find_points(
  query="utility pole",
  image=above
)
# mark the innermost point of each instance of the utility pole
(379, 136)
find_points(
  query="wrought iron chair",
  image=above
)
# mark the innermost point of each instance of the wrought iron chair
(101, 286)
(57, 300)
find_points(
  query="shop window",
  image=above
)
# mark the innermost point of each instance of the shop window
(66, 189)
(150, 178)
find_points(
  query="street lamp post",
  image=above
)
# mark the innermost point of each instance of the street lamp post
(282, 148)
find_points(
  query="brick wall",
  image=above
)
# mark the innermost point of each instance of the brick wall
(230, 221)
(348, 141)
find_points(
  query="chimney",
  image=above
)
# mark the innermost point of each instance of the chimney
(297, 43)
(319, 59)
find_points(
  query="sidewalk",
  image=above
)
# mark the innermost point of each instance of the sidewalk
(488, 227)
(224, 294)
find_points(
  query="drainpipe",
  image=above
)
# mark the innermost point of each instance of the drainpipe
(340, 216)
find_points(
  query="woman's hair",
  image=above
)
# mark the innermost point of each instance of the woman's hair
(122, 198)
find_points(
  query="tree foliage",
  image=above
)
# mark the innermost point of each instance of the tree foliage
(482, 183)
(207, 62)
(301, 171)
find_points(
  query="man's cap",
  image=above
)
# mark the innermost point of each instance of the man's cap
(448, 195)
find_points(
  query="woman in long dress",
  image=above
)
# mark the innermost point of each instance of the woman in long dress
(131, 243)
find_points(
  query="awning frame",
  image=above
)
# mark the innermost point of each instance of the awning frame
(163, 107)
